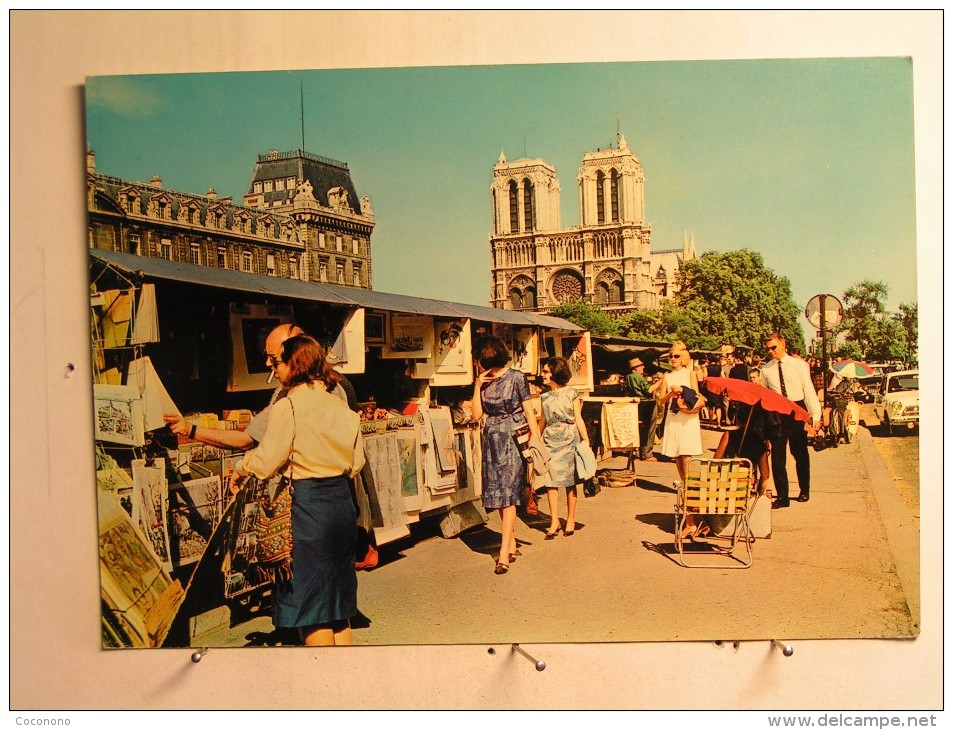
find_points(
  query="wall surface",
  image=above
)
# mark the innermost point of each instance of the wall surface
(56, 659)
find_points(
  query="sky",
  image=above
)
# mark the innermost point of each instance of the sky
(809, 162)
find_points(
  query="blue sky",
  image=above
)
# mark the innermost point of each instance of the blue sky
(809, 162)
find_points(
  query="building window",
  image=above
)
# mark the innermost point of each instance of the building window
(615, 293)
(614, 194)
(529, 205)
(222, 258)
(514, 208)
(269, 186)
(291, 183)
(339, 271)
(280, 184)
(135, 244)
(270, 264)
(355, 247)
(246, 261)
(357, 274)
(339, 244)
(321, 241)
(600, 197)
(165, 249)
(293, 267)
(256, 187)
(323, 270)
(195, 254)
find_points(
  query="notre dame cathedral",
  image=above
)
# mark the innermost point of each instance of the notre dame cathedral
(606, 260)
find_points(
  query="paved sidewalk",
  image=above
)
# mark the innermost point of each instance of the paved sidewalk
(844, 565)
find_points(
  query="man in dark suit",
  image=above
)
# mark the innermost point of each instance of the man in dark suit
(791, 377)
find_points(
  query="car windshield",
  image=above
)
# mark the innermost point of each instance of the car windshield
(905, 382)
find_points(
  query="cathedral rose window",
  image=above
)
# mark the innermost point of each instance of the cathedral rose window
(567, 288)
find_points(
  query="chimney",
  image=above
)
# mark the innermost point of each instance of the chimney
(156, 181)
(90, 161)
(211, 194)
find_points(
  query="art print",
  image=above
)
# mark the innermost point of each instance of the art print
(119, 416)
(411, 337)
(196, 508)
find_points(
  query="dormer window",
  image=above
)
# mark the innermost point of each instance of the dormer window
(256, 187)
(269, 186)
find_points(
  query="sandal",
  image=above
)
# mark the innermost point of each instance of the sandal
(501, 568)
(552, 535)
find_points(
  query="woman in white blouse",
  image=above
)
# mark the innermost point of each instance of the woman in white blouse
(315, 439)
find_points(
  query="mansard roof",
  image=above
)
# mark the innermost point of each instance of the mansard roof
(322, 172)
(107, 192)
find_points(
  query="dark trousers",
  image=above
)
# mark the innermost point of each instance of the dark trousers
(648, 422)
(790, 434)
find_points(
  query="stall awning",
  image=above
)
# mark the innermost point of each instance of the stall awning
(318, 292)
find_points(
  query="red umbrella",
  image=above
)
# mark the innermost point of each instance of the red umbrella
(745, 391)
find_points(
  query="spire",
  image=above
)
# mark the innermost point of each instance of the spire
(502, 158)
(622, 143)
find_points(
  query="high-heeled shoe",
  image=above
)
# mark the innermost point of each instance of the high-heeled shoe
(552, 535)
(501, 568)
(701, 531)
(569, 533)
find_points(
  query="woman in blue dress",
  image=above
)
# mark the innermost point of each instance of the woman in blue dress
(502, 395)
(564, 429)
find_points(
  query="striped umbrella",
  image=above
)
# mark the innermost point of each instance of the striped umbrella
(852, 369)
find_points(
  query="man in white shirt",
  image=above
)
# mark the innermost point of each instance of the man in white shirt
(791, 377)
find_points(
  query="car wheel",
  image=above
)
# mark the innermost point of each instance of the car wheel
(887, 424)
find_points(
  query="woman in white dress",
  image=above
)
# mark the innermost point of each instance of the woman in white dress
(682, 438)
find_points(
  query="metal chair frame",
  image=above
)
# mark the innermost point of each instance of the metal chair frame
(717, 487)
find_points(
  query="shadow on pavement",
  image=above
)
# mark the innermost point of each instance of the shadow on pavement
(654, 486)
(664, 521)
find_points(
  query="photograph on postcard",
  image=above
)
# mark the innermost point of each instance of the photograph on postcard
(635, 246)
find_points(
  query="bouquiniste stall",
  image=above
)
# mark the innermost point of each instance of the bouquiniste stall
(175, 337)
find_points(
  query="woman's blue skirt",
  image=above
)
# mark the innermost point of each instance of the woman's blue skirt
(324, 584)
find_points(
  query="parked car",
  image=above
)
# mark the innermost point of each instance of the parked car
(898, 402)
(870, 386)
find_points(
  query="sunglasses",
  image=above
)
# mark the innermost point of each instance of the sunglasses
(272, 360)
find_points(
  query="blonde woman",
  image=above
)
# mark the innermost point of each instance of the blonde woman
(682, 438)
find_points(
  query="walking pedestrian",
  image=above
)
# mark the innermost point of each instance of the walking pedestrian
(791, 377)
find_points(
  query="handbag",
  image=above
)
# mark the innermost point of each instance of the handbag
(529, 501)
(273, 538)
(591, 487)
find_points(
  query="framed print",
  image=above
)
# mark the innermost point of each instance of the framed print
(375, 327)
(525, 351)
(250, 325)
(452, 353)
(577, 350)
(410, 337)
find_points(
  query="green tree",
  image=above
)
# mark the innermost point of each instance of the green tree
(732, 297)
(588, 316)
(909, 318)
(869, 329)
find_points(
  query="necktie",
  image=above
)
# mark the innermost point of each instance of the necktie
(784, 391)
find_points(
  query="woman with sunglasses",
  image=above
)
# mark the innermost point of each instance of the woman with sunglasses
(682, 438)
(563, 430)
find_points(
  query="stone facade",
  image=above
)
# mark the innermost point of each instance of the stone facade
(537, 264)
(304, 227)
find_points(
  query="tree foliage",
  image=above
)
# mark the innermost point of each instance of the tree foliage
(588, 316)
(732, 297)
(869, 332)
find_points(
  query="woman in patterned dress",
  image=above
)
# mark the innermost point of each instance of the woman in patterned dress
(563, 430)
(502, 395)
